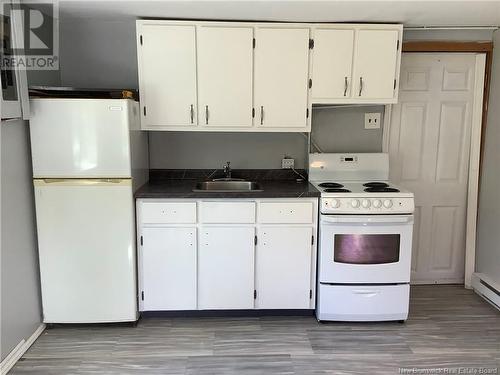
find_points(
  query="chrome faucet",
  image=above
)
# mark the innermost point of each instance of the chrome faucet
(227, 170)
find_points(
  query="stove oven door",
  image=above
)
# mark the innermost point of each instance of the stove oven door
(365, 249)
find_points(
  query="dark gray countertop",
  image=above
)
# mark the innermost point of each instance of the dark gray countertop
(177, 184)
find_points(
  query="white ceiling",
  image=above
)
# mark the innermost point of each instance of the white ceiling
(410, 13)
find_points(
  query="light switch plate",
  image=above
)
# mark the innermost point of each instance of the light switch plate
(372, 120)
(287, 163)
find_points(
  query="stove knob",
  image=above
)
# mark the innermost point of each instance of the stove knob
(355, 203)
(335, 203)
(387, 203)
(365, 203)
(377, 203)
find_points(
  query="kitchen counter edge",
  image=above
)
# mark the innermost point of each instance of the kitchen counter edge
(184, 189)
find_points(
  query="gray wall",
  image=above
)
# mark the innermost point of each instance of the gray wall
(103, 54)
(342, 129)
(334, 130)
(210, 150)
(44, 77)
(20, 285)
(488, 240)
(98, 53)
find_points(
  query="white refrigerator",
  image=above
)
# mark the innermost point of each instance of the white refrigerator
(89, 156)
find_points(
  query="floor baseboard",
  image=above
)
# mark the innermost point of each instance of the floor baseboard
(19, 350)
(486, 288)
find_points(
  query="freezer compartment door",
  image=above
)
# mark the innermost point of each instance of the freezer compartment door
(80, 138)
(86, 240)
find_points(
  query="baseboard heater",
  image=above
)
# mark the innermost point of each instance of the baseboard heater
(486, 288)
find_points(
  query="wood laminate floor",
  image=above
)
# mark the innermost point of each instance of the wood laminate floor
(449, 327)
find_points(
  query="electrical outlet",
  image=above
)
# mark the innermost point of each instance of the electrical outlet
(372, 120)
(287, 163)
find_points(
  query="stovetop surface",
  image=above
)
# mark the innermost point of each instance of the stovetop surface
(373, 189)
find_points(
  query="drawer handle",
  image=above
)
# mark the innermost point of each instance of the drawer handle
(367, 293)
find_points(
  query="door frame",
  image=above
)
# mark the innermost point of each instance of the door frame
(484, 59)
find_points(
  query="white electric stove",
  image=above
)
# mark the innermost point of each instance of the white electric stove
(366, 226)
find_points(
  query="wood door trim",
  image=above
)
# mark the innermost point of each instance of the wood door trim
(446, 46)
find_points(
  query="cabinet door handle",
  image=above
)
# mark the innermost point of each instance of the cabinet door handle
(346, 85)
(360, 85)
(192, 114)
(261, 115)
(206, 114)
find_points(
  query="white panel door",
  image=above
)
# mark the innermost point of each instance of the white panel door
(429, 154)
(225, 69)
(226, 268)
(283, 268)
(332, 63)
(281, 77)
(167, 75)
(375, 64)
(168, 268)
(80, 138)
(86, 248)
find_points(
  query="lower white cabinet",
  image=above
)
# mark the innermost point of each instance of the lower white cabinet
(168, 259)
(284, 267)
(234, 254)
(226, 268)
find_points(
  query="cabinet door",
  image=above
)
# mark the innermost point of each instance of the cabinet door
(283, 269)
(226, 268)
(332, 63)
(375, 64)
(168, 268)
(281, 77)
(167, 75)
(225, 56)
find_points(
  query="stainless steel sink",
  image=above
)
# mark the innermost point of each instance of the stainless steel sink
(227, 186)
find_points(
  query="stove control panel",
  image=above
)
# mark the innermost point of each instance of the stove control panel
(353, 205)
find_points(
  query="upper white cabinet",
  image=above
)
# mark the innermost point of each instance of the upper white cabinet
(375, 64)
(281, 77)
(167, 75)
(332, 63)
(356, 64)
(225, 68)
(260, 77)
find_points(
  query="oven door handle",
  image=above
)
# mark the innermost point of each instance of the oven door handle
(407, 219)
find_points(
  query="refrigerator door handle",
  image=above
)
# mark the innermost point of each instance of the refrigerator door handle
(83, 181)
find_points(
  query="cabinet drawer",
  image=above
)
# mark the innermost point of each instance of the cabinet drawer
(286, 212)
(168, 212)
(227, 212)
